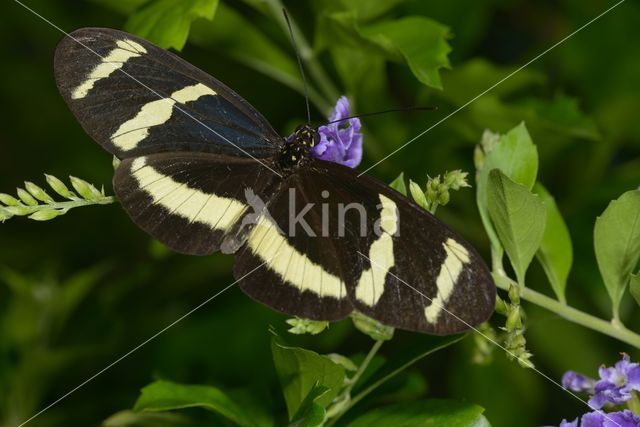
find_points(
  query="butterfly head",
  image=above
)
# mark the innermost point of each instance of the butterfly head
(297, 148)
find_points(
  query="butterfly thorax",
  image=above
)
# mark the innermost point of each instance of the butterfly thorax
(296, 150)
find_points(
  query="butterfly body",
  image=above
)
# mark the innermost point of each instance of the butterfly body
(202, 171)
(296, 151)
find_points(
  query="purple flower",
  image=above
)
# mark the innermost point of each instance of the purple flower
(566, 423)
(623, 418)
(578, 382)
(616, 383)
(340, 142)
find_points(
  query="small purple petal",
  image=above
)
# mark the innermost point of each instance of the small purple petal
(633, 380)
(341, 110)
(592, 419)
(606, 392)
(577, 382)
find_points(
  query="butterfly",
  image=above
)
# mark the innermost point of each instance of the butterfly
(202, 171)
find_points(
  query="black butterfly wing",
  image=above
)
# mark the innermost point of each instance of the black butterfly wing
(190, 201)
(134, 98)
(399, 264)
(302, 271)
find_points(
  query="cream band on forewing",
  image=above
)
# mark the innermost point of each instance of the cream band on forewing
(155, 113)
(125, 50)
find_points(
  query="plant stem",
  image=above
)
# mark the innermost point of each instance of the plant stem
(345, 396)
(61, 207)
(306, 53)
(613, 329)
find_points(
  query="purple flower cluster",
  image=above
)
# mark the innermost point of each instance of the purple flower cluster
(623, 418)
(340, 142)
(616, 385)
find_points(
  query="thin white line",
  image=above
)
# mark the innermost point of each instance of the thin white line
(145, 86)
(136, 348)
(457, 110)
(489, 339)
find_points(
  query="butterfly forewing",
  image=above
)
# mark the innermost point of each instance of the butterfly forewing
(135, 98)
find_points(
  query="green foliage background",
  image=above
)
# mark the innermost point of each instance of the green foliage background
(78, 292)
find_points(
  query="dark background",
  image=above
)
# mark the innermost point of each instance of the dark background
(580, 103)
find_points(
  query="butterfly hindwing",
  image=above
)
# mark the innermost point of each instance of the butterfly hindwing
(189, 201)
(135, 98)
(398, 263)
(413, 271)
(303, 272)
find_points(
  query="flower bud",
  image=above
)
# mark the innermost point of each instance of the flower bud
(37, 192)
(8, 200)
(514, 320)
(371, 327)
(418, 195)
(26, 198)
(514, 294)
(59, 187)
(86, 190)
(45, 214)
(306, 326)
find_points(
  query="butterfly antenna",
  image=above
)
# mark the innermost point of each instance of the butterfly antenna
(377, 113)
(295, 48)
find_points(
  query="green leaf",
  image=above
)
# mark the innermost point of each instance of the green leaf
(416, 352)
(617, 244)
(167, 22)
(399, 185)
(516, 156)
(556, 252)
(365, 10)
(634, 287)
(166, 395)
(393, 40)
(519, 219)
(426, 58)
(310, 412)
(425, 413)
(300, 370)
